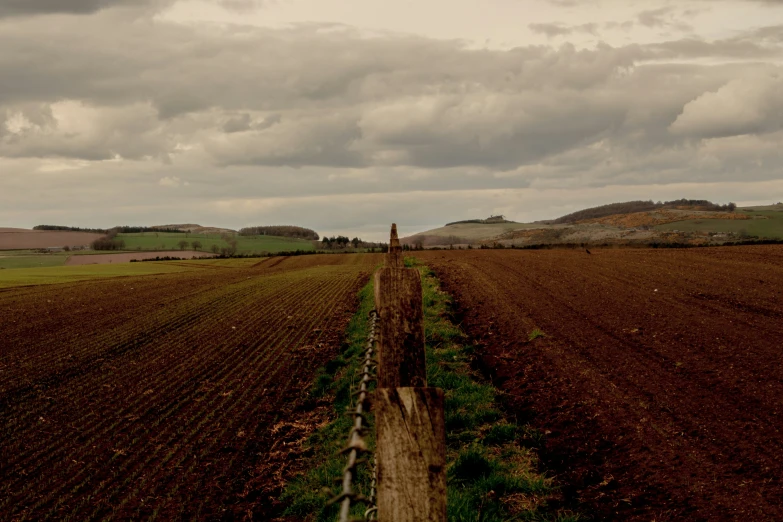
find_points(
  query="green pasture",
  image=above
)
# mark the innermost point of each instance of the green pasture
(32, 261)
(765, 224)
(776, 207)
(245, 244)
(70, 274)
(14, 259)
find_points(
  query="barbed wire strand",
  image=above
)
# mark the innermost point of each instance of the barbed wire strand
(356, 443)
(373, 509)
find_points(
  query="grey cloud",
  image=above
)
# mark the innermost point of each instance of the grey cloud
(625, 26)
(550, 30)
(321, 138)
(554, 30)
(267, 122)
(237, 124)
(245, 122)
(10, 8)
(243, 96)
(654, 17)
(662, 18)
(242, 5)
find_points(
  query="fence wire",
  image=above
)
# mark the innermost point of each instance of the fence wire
(357, 446)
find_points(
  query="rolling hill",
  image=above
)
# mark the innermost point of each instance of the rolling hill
(631, 223)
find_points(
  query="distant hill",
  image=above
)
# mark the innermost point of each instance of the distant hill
(683, 221)
(630, 207)
(192, 227)
(487, 221)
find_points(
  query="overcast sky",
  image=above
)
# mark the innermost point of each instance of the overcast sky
(347, 115)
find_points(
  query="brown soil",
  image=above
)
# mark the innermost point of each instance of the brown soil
(660, 217)
(21, 239)
(103, 259)
(181, 396)
(659, 382)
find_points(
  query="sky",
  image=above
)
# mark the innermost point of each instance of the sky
(347, 115)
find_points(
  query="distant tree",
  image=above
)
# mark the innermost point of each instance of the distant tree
(731, 207)
(355, 242)
(196, 245)
(66, 248)
(183, 244)
(107, 243)
(71, 229)
(215, 249)
(280, 230)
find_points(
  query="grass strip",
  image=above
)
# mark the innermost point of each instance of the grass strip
(491, 473)
(307, 494)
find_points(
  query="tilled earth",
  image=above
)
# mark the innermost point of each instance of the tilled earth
(179, 396)
(658, 382)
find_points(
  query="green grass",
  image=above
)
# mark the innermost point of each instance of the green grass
(777, 206)
(69, 274)
(767, 224)
(306, 495)
(535, 334)
(491, 474)
(245, 244)
(32, 261)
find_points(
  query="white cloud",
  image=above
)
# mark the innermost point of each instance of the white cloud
(749, 105)
(172, 181)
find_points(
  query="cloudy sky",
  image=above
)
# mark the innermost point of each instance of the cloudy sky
(346, 115)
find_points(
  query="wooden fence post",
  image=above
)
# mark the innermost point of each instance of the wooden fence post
(410, 424)
(401, 360)
(411, 435)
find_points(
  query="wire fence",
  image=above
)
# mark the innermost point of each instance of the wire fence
(357, 445)
(409, 418)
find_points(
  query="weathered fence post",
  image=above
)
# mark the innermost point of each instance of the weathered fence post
(410, 424)
(401, 329)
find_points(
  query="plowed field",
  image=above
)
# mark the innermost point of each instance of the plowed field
(154, 396)
(659, 382)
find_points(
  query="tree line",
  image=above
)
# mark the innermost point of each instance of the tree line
(342, 242)
(121, 229)
(281, 231)
(629, 207)
(61, 228)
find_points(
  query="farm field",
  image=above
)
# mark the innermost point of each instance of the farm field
(127, 257)
(763, 223)
(157, 396)
(31, 261)
(70, 274)
(245, 244)
(21, 239)
(654, 374)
